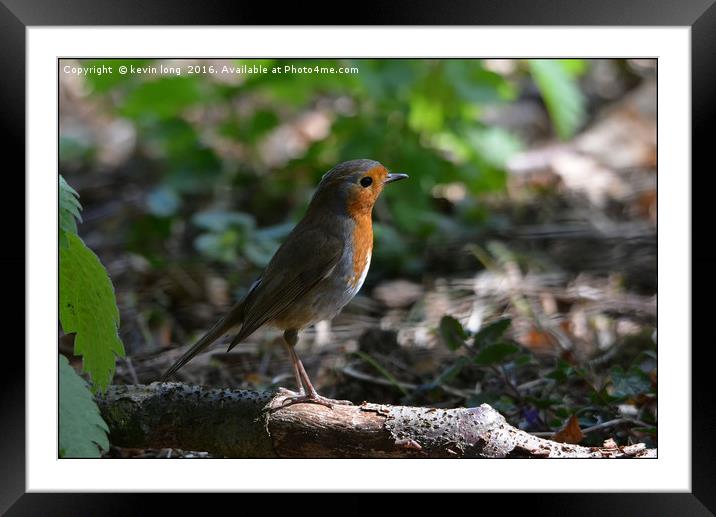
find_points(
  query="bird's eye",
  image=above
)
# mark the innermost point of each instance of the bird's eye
(366, 181)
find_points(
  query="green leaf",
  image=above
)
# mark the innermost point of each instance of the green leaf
(629, 383)
(451, 332)
(69, 211)
(562, 372)
(83, 433)
(524, 359)
(88, 308)
(602, 398)
(493, 354)
(491, 332)
(562, 96)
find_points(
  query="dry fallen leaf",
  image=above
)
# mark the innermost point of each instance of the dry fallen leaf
(570, 433)
(537, 340)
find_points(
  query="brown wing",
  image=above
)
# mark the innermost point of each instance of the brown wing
(298, 265)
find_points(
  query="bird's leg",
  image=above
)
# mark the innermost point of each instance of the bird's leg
(308, 386)
(309, 395)
(296, 371)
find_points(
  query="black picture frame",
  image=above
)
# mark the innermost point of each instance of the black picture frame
(17, 15)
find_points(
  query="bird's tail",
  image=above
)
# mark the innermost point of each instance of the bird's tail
(221, 327)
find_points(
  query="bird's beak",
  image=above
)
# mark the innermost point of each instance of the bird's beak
(395, 176)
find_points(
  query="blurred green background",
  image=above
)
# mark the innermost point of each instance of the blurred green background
(247, 150)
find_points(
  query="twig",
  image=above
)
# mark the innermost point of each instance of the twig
(613, 423)
(531, 384)
(130, 367)
(350, 372)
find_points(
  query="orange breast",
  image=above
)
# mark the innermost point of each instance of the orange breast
(362, 247)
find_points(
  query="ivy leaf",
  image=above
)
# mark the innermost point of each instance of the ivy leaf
(88, 308)
(562, 372)
(451, 332)
(69, 211)
(491, 332)
(630, 383)
(493, 354)
(565, 102)
(82, 431)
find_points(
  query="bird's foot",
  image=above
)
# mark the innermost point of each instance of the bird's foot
(311, 399)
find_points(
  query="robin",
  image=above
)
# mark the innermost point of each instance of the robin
(315, 272)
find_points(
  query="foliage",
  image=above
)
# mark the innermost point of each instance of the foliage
(88, 308)
(561, 94)
(565, 396)
(87, 302)
(239, 145)
(451, 332)
(83, 433)
(491, 333)
(226, 234)
(69, 211)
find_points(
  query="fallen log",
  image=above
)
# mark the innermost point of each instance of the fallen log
(246, 424)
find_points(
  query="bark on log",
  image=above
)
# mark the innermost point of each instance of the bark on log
(242, 424)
